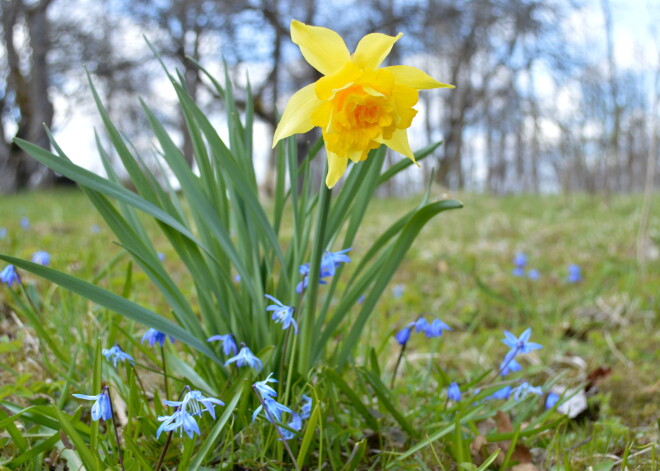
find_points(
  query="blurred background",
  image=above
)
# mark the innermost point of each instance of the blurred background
(552, 95)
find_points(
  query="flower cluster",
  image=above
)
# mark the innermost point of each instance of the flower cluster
(329, 264)
(432, 329)
(519, 346)
(273, 410)
(520, 264)
(183, 418)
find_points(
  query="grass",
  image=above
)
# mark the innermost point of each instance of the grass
(601, 331)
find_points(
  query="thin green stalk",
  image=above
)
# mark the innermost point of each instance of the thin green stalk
(398, 362)
(162, 355)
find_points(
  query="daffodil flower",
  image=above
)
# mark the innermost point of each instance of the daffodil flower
(357, 104)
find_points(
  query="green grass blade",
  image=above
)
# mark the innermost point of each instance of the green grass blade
(115, 303)
(310, 430)
(81, 448)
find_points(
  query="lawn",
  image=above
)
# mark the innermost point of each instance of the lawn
(599, 336)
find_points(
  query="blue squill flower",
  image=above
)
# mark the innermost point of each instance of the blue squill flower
(420, 324)
(403, 335)
(295, 423)
(263, 389)
(306, 409)
(3, 232)
(237, 278)
(25, 223)
(397, 291)
(520, 392)
(304, 271)
(102, 409)
(520, 261)
(533, 274)
(282, 313)
(180, 420)
(154, 336)
(361, 299)
(574, 274)
(511, 366)
(551, 400)
(272, 409)
(161, 256)
(95, 229)
(435, 328)
(116, 354)
(245, 357)
(9, 276)
(41, 257)
(454, 392)
(192, 401)
(228, 343)
(519, 345)
(332, 260)
(503, 393)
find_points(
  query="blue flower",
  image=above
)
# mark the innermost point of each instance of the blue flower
(273, 410)
(25, 222)
(116, 354)
(9, 276)
(520, 261)
(361, 299)
(551, 400)
(41, 257)
(454, 392)
(295, 423)
(192, 399)
(520, 392)
(181, 420)
(263, 388)
(533, 274)
(420, 324)
(3, 232)
(282, 313)
(435, 328)
(95, 229)
(519, 345)
(245, 357)
(228, 343)
(102, 409)
(574, 274)
(237, 278)
(161, 256)
(154, 336)
(306, 409)
(510, 366)
(304, 271)
(332, 260)
(503, 393)
(397, 291)
(403, 335)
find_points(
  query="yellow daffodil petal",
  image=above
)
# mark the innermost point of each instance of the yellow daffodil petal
(399, 143)
(297, 117)
(324, 49)
(336, 168)
(372, 49)
(415, 78)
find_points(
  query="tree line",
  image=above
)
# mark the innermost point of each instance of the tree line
(534, 109)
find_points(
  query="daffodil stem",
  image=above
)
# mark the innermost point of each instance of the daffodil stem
(272, 420)
(398, 362)
(307, 320)
(106, 390)
(162, 356)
